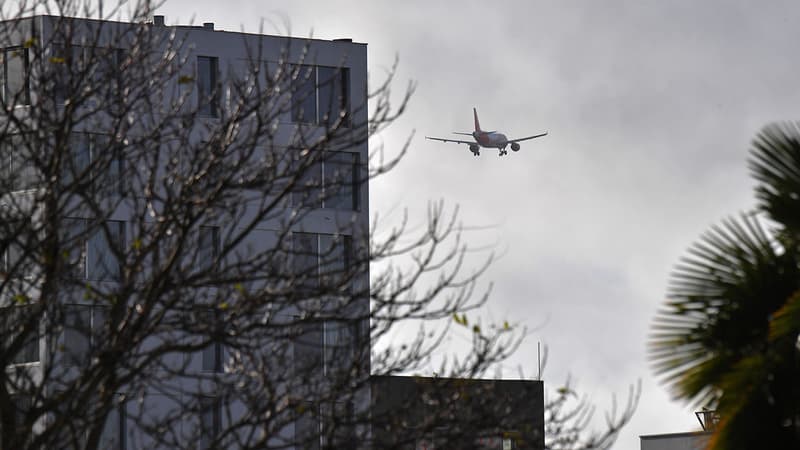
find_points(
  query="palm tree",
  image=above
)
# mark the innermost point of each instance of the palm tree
(727, 336)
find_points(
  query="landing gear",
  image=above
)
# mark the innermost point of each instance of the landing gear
(503, 152)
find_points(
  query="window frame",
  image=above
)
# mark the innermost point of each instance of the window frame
(209, 406)
(120, 413)
(307, 86)
(31, 352)
(90, 336)
(332, 197)
(98, 179)
(312, 186)
(315, 427)
(80, 268)
(207, 257)
(23, 403)
(208, 96)
(18, 254)
(322, 253)
(4, 88)
(334, 351)
(19, 170)
(71, 60)
(316, 349)
(212, 357)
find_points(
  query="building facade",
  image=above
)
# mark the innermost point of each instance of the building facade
(184, 237)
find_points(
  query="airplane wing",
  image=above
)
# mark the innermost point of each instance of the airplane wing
(457, 141)
(526, 138)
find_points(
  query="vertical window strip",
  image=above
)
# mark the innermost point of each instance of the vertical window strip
(207, 90)
(15, 79)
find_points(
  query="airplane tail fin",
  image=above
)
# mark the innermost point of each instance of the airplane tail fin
(477, 124)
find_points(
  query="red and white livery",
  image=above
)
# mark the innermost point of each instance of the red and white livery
(487, 139)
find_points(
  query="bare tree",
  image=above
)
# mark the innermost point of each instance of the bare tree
(185, 239)
(185, 242)
(569, 419)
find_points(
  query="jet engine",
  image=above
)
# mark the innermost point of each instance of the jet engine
(515, 146)
(474, 148)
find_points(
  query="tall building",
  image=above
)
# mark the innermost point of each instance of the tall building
(185, 227)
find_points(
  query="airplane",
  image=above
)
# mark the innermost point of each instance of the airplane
(487, 139)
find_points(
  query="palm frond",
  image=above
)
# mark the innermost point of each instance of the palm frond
(775, 164)
(720, 300)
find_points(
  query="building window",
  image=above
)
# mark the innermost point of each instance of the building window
(87, 71)
(83, 331)
(16, 158)
(65, 61)
(15, 87)
(341, 347)
(107, 69)
(210, 422)
(307, 432)
(207, 89)
(322, 262)
(326, 347)
(12, 256)
(22, 404)
(213, 354)
(335, 263)
(103, 263)
(321, 95)
(207, 247)
(340, 180)
(326, 425)
(330, 182)
(113, 436)
(309, 349)
(93, 163)
(90, 254)
(307, 190)
(305, 261)
(15, 323)
(18, 244)
(339, 426)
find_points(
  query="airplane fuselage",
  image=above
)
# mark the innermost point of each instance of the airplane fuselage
(490, 139)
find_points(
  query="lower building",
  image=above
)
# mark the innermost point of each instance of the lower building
(417, 413)
(696, 440)
(693, 440)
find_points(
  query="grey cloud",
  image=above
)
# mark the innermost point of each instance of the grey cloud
(650, 106)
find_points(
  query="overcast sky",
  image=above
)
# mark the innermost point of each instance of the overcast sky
(650, 106)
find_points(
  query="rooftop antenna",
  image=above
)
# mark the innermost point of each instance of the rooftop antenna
(539, 358)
